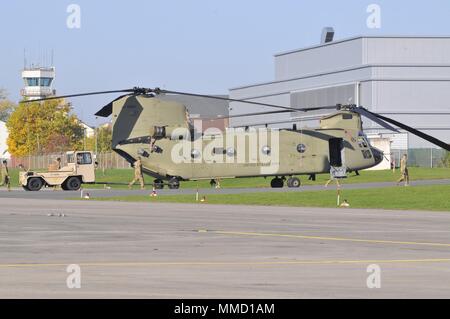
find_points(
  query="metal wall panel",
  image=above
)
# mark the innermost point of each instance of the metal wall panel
(406, 50)
(411, 96)
(319, 59)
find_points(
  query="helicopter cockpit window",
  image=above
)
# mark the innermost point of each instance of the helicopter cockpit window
(362, 142)
(366, 154)
(84, 158)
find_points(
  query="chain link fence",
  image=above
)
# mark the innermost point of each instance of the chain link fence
(41, 162)
(423, 157)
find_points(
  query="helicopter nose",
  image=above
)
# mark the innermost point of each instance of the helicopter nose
(377, 155)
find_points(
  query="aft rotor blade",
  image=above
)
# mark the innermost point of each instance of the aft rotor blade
(306, 109)
(77, 95)
(225, 99)
(426, 137)
(373, 117)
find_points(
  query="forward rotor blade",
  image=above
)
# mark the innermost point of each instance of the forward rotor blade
(373, 117)
(79, 94)
(426, 137)
(107, 109)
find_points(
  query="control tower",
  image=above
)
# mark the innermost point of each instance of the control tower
(38, 82)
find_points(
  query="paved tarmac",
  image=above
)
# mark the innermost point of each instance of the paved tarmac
(158, 250)
(49, 193)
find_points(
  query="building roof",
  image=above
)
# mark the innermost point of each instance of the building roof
(359, 37)
(282, 60)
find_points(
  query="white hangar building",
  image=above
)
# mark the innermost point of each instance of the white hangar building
(406, 78)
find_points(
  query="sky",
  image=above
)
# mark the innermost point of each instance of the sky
(197, 46)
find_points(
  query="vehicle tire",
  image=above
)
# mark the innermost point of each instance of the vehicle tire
(26, 188)
(293, 182)
(276, 183)
(174, 183)
(158, 183)
(34, 184)
(72, 183)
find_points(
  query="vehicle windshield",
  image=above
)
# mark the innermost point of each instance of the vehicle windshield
(84, 158)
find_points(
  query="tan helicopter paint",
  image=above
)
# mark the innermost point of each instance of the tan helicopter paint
(137, 116)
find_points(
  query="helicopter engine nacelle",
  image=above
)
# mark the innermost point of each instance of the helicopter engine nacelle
(159, 132)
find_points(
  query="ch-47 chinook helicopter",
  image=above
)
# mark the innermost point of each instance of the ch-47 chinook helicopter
(147, 124)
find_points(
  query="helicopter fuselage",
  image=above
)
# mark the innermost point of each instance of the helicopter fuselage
(159, 131)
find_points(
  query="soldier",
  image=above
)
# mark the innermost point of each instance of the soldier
(332, 177)
(404, 170)
(137, 174)
(5, 176)
(58, 163)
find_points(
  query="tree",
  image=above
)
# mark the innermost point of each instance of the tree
(446, 160)
(6, 106)
(43, 127)
(103, 135)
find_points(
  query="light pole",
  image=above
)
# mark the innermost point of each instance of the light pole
(84, 139)
(96, 136)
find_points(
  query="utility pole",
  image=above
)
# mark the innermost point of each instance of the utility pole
(431, 158)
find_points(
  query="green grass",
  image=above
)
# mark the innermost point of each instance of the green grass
(436, 198)
(119, 178)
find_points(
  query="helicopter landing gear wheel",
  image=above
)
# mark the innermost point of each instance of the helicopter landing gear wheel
(158, 183)
(277, 182)
(293, 182)
(174, 183)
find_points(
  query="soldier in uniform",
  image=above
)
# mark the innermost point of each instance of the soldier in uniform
(404, 170)
(137, 174)
(5, 176)
(58, 163)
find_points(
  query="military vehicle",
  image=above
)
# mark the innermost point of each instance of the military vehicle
(146, 123)
(79, 170)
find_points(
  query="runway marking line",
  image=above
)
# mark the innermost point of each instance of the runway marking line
(224, 263)
(373, 241)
